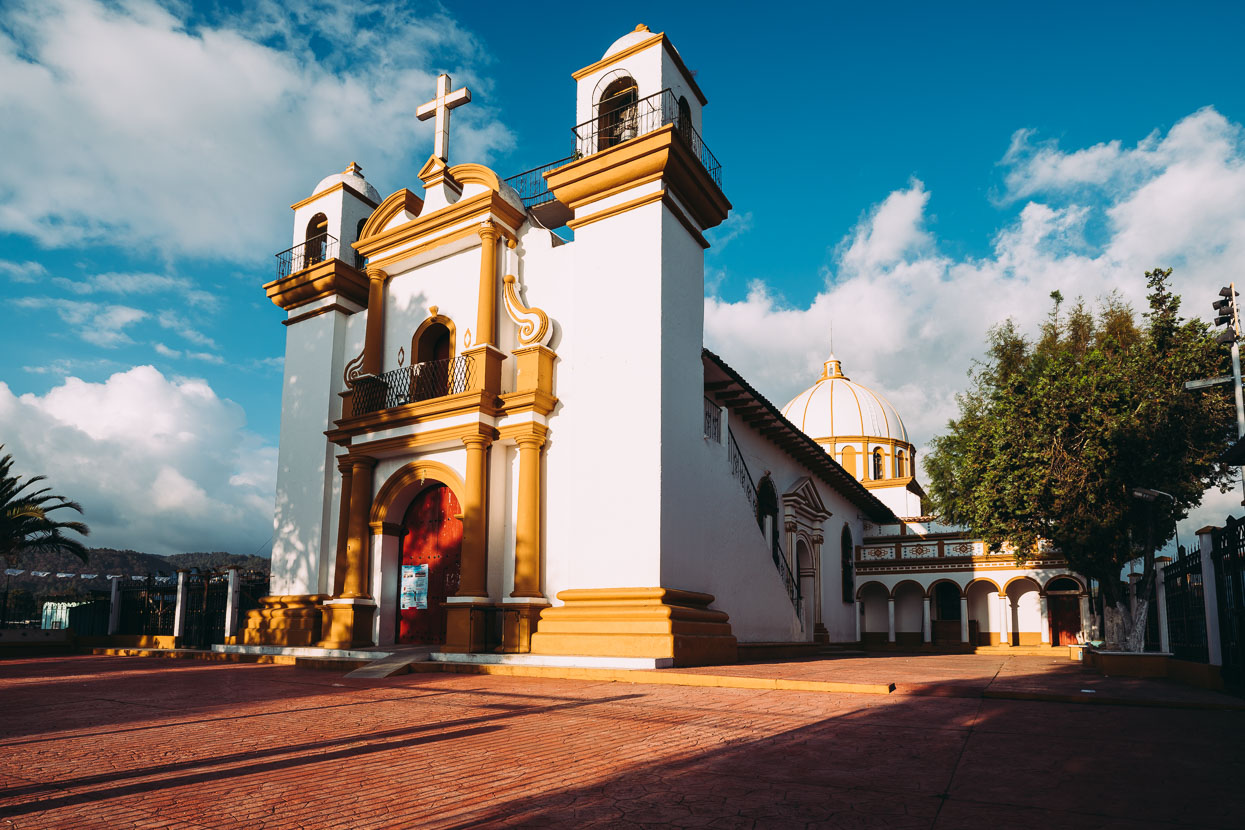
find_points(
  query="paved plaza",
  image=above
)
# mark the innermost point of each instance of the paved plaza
(112, 742)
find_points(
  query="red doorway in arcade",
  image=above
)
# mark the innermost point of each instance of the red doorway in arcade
(431, 565)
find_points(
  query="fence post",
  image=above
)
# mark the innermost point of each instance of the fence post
(1210, 594)
(179, 609)
(231, 602)
(114, 607)
(1160, 592)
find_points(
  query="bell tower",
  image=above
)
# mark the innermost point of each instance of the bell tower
(643, 189)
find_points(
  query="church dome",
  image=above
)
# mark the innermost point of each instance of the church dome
(639, 35)
(352, 177)
(836, 406)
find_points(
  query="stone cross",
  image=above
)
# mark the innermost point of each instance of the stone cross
(440, 107)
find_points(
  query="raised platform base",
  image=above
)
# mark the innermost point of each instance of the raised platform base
(648, 623)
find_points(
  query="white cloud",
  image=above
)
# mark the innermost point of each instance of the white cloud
(114, 283)
(138, 126)
(100, 324)
(161, 465)
(28, 271)
(909, 320)
(177, 324)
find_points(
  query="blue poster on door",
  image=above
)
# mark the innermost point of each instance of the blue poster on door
(414, 592)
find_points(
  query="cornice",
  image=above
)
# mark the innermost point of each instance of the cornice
(325, 279)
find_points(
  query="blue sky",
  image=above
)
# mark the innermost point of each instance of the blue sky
(909, 173)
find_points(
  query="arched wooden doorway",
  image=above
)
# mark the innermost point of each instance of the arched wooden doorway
(431, 564)
(1063, 607)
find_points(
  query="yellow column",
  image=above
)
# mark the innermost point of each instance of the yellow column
(473, 582)
(346, 467)
(354, 583)
(527, 524)
(486, 319)
(374, 334)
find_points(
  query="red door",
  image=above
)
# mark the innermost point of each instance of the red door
(1065, 619)
(430, 566)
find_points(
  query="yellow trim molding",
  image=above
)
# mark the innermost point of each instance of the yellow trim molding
(324, 279)
(660, 152)
(394, 204)
(416, 472)
(640, 201)
(326, 191)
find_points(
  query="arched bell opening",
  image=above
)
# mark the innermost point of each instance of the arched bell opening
(315, 246)
(616, 113)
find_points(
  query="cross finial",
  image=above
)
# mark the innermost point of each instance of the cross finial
(440, 108)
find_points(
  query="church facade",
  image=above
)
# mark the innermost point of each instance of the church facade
(501, 439)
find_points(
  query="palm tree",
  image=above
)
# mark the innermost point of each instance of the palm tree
(25, 520)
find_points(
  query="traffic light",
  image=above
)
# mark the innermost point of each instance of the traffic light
(1226, 314)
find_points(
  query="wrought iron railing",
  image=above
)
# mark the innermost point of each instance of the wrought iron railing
(713, 420)
(148, 607)
(417, 382)
(739, 469)
(645, 116)
(1186, 609)
(315, 250)
(531, 184)
(1228, 555)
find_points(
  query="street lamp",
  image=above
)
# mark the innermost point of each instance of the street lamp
(1227, 312)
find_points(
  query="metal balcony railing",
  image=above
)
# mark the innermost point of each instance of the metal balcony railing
(645, 116)
(417, 382)
(531, 184)
(739, 469)
(315, 250)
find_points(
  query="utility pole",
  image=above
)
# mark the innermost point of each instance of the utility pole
(1228, 312)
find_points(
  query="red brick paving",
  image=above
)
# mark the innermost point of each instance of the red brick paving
(131, 742)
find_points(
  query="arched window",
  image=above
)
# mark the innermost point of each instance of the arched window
(848, 565)
(684, 124)
(432, 372)
(616, 113)
(317, 235)
(1063, 583)
(878, 471)
(767, 510)
(358, 234)
(901, 468)
(849, 461)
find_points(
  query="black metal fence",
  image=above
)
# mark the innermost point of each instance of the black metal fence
(645, 116)
(148, 607)
(1228, 554)
(418, 382)
(90, 618)
(1186, 609)
(531, 184)
(317, 249)
(207, 597)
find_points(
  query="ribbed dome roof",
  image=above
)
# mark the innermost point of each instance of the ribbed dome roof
(352, 177)
(835, 406)
(639, 35)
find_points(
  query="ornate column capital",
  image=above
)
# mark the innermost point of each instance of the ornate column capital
(530, 441)
(362, 463)
(487, 231)
(476, 441)
(374, 273)
(345, 464)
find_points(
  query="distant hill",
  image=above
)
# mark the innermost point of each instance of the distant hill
(105, 561)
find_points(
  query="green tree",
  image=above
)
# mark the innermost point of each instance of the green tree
(1054, 437)
(26, 522)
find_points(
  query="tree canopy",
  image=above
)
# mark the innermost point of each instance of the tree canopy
(26, 521)
(1055, 433)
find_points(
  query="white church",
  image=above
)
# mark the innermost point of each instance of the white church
(501, 432)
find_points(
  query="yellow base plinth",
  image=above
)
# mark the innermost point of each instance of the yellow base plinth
(347, 626)
(284, 621)
(637, 622)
